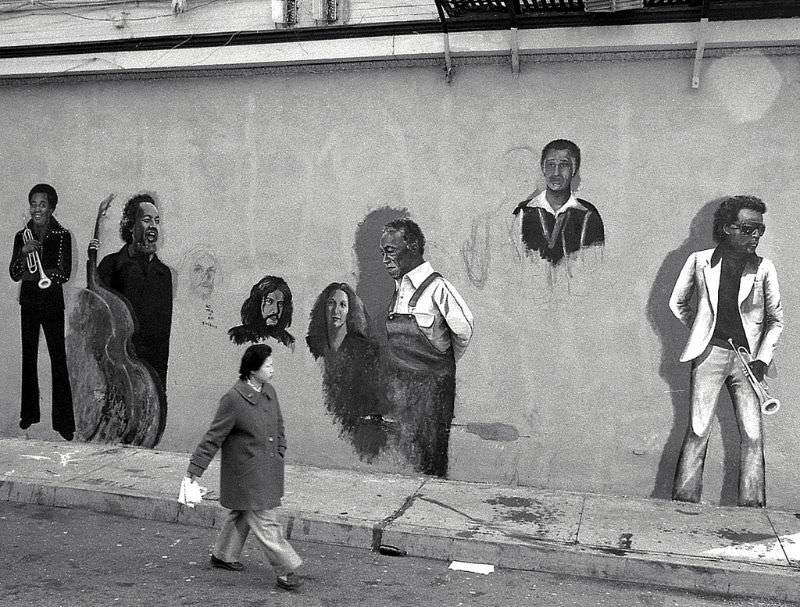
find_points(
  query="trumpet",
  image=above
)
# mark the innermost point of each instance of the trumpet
(34, 262)
(769, 405)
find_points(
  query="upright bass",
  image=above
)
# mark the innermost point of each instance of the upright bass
(118, 397)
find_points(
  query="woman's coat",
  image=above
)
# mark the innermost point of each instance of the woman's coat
(248, 427)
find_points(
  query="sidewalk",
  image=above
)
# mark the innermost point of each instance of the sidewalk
(731, 551)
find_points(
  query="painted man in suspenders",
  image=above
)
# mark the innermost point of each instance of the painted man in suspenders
(428, 328)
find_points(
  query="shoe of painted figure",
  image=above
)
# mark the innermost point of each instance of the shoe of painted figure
(230, 566)
(66, 435)
(290, 581)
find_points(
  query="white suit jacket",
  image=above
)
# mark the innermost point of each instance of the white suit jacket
(759, 304)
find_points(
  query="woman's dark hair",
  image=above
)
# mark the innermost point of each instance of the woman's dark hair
(357, 318)
(728, 212)
(48, 190)
(252, 359)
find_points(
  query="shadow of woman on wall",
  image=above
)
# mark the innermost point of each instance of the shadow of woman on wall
(673, 336)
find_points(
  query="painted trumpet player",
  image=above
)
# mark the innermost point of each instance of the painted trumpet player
(737, 312)
(42, 262)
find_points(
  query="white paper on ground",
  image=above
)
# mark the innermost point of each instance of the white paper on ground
(472, 567)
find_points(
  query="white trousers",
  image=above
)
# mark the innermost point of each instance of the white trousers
(710, 371)
(268, 532)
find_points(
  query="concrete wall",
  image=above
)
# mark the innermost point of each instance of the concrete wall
(569, 384)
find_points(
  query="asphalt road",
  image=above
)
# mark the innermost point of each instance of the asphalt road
(61, 557)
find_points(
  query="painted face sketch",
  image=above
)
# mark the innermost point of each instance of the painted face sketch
(267, 312)
(203, 274)
(200, 273)
(555, 224)
(339, 337)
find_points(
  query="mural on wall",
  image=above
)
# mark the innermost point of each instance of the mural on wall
(118, 341)
(551, 226)
(428, 328)
(267, 312)
(199, 273)
(340, 337)
(555, 224)
(42, 261)
(732, 340)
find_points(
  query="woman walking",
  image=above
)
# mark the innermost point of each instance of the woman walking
(248, 426)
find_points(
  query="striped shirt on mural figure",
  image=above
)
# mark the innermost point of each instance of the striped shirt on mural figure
(428, 327)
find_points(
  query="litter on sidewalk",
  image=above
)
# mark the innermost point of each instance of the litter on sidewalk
(481, 568)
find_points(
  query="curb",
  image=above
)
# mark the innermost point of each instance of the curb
(695, 574)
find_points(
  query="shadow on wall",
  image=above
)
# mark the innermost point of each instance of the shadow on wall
(375, 287)
(673, 336)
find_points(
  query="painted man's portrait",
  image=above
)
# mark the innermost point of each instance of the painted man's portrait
(555, 223)
(266, 313)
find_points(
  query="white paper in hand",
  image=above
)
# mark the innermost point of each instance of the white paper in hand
(191, 492)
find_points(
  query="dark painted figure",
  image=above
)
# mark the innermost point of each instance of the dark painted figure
(428, 327)
(267, 312)
(339, 336)
(727, 294)
(136, 273)
(42, 260)
(555, 223)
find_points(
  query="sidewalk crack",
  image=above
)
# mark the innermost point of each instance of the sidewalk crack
(377, 528)
(780, 542)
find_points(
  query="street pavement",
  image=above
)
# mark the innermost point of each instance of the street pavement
(742, 552)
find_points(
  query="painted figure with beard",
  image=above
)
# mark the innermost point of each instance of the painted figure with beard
(339, 337)
(267, 312)
(43, 307)
(137, 274)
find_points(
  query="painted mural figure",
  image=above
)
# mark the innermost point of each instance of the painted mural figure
(738, 301)
(199, 273)
(137, 274)
(555, 223)
(42, 260)
(267, 312)
(339, 336)
(428, 327)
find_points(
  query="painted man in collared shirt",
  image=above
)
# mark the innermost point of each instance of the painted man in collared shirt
(555, 223)
(428, 326)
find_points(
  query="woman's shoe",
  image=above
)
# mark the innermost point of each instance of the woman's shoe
(290, 581)
(230, 566)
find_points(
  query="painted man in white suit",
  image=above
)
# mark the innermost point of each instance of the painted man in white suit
(737, 299)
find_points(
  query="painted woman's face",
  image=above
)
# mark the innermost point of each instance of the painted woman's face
(337, 308)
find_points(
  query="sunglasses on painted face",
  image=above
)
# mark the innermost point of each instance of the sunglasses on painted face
(750, 228)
